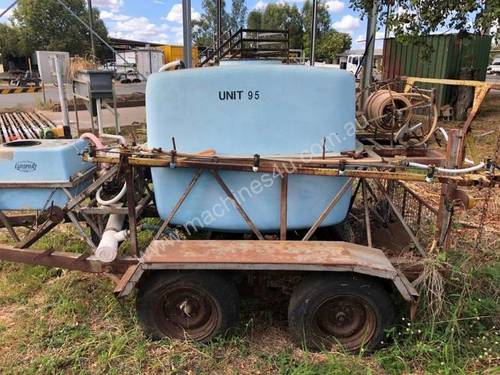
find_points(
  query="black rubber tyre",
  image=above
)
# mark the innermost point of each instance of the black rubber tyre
(346, 310)
(195, 305)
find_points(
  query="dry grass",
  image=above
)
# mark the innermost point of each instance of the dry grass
(80, 63)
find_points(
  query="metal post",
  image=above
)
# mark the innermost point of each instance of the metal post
(43, 93)
(313, 30)
(91, 26)
(115, 110)
(132, 215)
(367, 214)
(387, 28)
(62, 93)
(371, 29)
(8, 8)
(284, 207)
(218, 27)
(186, 32)
(448, 190)
(75, 107)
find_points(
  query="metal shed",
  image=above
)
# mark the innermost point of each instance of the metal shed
(437, 56)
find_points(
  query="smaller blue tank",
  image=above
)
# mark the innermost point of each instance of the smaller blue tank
(44, 161)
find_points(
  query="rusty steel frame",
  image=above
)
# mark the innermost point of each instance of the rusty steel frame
(283, 206)
(339, 166)
(248, 255)
(367, 215)
(400, 217)
(48, 224)
(237, 204)
(333, 202)
(179, 203)
(132, 265)
(6, 223)
(70, 261)
(481, 89)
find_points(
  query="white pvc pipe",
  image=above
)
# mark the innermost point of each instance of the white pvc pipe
(121, 139)
(61, 90)
(107, 249)
(170, 65)
(444, 133)
(447, 170)
(113, 200)
(92, 138)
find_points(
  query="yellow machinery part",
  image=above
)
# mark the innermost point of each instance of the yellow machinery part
(175, 52)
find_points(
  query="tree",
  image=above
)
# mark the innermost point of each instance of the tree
(322, 25)
(254, 20)
(284, 17)
(331, 44)
(323, 17)
(46, 25)
(238, 15)
(205, 29)
(10, 42)
(416, 18)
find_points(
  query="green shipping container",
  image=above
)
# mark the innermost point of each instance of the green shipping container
(437, 56)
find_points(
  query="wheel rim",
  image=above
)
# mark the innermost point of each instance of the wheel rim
(186, 311)
(348, 320)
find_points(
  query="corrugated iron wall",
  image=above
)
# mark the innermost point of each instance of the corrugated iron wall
(437, 56)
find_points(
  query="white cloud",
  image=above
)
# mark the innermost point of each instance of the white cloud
(334, 6)
(138, 28)
(113, 5)
(142, 29)
(105, 15)
(177, 34)
(175, 14)
(260, 5)
(378, 36)
(6, 16)
(348, 23)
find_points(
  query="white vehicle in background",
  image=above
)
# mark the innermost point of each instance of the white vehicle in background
(353, 63)
(494, 68)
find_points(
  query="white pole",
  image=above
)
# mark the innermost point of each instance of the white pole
(100, 125)
(62, 92)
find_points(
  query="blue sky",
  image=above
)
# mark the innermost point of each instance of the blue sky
(161, 20)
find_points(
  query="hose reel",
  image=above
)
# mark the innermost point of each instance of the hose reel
(407, 118)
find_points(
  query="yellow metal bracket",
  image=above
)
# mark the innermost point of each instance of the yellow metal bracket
(481, 89)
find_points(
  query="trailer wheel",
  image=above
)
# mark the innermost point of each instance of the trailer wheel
(194, 305)
(345, 309)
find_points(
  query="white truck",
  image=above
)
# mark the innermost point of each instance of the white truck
(494, 68)
(353, 63)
